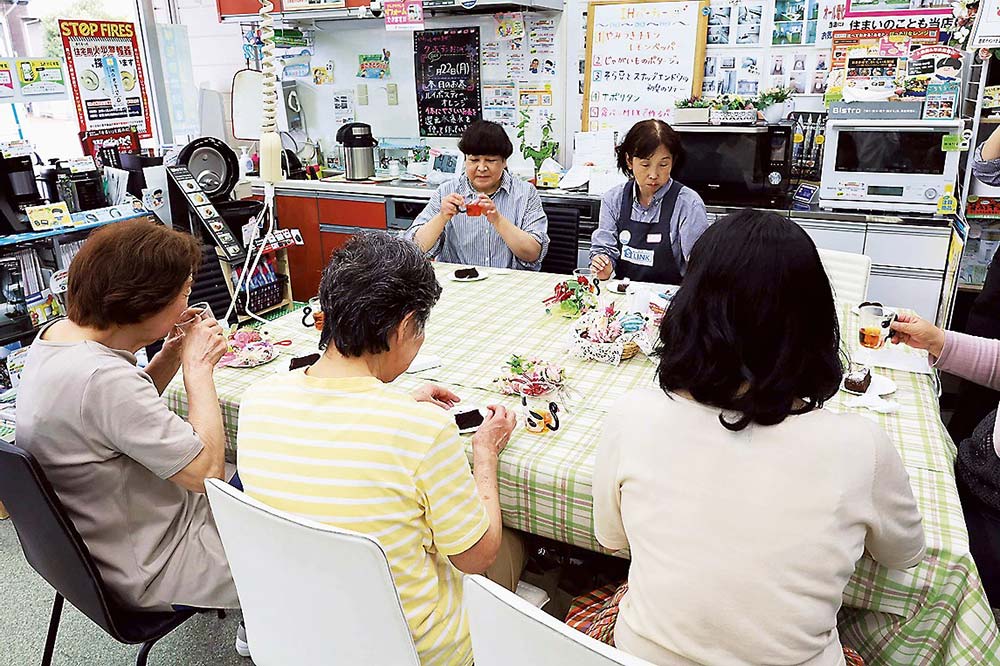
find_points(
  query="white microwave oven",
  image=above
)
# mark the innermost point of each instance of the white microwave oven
(895, 165)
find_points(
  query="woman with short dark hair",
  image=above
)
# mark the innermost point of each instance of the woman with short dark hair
(130, 472)
(338, 443)
(486, 217)
(745, 504)
(649, 223)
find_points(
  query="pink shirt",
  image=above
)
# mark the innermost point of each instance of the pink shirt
(975, 359)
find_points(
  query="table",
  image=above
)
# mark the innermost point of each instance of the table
(935, 613)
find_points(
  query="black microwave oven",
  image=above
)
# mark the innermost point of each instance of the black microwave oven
(737, 165)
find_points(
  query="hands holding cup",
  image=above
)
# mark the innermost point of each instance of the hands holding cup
(200, 338)
(918, 333)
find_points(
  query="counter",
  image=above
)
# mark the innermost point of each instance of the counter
(915, 257)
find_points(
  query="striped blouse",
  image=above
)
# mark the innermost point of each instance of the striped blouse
(473, 240)
(364, 456)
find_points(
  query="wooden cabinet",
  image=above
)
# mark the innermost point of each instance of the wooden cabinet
(305, 262)
(365, 212)
(331, 241)
(236, 7)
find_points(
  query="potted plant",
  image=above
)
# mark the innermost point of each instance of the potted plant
(692, 110)
(773, 103)
(733, 109)
(420, 163)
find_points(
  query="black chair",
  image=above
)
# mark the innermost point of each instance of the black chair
(55, 550)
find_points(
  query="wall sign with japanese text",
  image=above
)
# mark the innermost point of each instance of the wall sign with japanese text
(447, 77)
(105, 71)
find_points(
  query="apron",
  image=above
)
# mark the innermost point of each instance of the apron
(646, 249)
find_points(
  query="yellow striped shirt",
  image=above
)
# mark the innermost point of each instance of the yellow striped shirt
(364, 456)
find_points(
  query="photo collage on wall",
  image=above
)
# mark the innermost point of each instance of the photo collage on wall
(795, 22)
(731, 74)
(735, 23)
(804, 72)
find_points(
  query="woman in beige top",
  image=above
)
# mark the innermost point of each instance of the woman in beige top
(744, 503)
(130, 472)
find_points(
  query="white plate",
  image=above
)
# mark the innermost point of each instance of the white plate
(880, 386)
(611, 286)
(482, 276)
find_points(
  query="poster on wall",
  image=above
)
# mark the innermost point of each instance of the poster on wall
(106, 75)
(735, 23)
(6, 81)
(373, 65)
(40, 76)
(870, 8)
(795, 22)
(179, 78)
(404, 15)
(447, 80)
(987, 28)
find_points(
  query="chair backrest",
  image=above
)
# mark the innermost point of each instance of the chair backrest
(508, 630)
(310, 593)
(848, 273)
(48, 538)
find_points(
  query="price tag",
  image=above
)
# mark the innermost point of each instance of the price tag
(953, 143)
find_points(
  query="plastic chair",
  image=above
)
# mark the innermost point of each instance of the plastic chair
(508, 630)
(55, 550)
(310, 593)
(848, 273)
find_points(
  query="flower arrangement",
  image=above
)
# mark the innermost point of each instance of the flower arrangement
(964, 12)
(731, 103)
(693, 103)
(528, 375)
(573, 297)
(421, 153)
(771, 96)
(247, 349)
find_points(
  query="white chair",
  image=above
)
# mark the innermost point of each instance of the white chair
(311, 593)
(848, 273)
(508, 630)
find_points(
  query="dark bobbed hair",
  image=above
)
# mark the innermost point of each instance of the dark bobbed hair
(754, 326)
(368, 287)
(128, 272)
(483, 137)
(644, 139)
(950, 62)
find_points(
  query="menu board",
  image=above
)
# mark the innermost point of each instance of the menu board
(447, 78)
(642, 57)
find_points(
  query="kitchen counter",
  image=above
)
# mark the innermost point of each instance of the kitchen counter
(417, 190)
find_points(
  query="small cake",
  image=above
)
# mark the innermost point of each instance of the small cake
(466, 273)
(622, 286)
(858, 381)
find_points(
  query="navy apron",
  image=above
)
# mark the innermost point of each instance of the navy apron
(639, 258)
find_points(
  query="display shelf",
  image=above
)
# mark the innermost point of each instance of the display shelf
(27, 237)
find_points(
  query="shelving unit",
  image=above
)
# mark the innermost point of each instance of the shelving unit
(281, 257)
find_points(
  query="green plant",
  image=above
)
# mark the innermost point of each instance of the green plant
(547, 147)
(778, 95)
(421, 153)
(693, 103)
(731, 103)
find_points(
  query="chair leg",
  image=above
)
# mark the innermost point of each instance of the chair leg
(140, 659)
(50, 640)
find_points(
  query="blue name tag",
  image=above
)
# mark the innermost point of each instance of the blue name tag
(638, 257)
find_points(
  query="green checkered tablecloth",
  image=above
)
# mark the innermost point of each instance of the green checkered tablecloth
(935, 613)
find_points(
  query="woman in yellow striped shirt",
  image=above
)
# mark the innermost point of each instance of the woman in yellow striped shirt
(337, 444)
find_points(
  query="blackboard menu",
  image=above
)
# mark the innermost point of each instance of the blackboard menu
(447, 68)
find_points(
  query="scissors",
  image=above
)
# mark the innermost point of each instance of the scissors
(282, 343)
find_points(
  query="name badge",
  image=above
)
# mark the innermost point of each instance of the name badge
(654, 238)
(637, 257)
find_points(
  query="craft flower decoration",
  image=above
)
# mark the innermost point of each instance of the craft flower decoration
(247, 349)
(964, 12)
(528, 375)
(573, 297)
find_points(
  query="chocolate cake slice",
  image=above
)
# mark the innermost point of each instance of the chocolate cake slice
(858, 381)
(466, 273)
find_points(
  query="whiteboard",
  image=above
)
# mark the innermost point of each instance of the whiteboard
(642, 56)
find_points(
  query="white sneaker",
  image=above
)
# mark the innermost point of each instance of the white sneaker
(242, 647)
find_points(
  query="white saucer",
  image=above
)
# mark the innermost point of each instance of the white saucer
(880, 386)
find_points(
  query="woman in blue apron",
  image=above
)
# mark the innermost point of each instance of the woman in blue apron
(649, 224)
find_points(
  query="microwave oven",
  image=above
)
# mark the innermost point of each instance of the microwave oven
(895, 165)
(746, 165)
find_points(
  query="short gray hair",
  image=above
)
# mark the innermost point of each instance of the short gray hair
(369, 287)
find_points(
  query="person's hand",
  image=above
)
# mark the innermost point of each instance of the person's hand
(495, 430)
(452, 205)
(600, 266)
(437, 395)
(204, 344)
(174, 342)
(918, 333)
(489, 209)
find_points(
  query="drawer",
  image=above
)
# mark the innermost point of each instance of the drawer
(352, 213)
(836, 237)
(911, 247)
(916, 293)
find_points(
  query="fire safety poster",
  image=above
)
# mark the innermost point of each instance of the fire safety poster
(105, 70)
